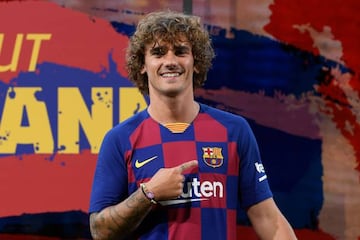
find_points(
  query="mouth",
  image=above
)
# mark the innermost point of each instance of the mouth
(170, 74)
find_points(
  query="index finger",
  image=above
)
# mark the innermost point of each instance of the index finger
(188, 165)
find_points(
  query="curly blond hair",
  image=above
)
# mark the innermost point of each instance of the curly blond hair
(168, 26)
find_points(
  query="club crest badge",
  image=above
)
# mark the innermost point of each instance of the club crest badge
(212, 156)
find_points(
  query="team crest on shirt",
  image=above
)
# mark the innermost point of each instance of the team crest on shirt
(212, 156)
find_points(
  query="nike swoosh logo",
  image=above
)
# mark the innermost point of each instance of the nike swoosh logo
(140, 164)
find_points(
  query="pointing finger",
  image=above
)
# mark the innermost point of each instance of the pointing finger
(188, 165)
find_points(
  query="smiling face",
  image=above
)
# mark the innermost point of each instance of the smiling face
(169, 68)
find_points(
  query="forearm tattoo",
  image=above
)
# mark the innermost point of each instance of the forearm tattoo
(94, 226)
(123, 218)
(138, 213)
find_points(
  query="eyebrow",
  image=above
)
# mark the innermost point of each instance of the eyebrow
(182, 47)
(175, 48)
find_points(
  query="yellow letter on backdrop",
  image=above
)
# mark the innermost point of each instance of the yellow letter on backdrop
(20, 102)
(73, 111)
(131, 101)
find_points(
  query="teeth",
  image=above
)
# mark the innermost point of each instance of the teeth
(170, 74)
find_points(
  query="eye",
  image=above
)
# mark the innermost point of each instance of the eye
(181, 50)
(158, 51)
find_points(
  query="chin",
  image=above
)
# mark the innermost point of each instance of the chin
(172, 92)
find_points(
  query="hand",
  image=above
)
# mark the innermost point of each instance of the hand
(168, 183)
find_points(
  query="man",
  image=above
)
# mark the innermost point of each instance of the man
(179, 169)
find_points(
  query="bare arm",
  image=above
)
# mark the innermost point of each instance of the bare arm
(269, 223)
(118, 221)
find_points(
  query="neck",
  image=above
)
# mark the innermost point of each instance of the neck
(173, 111)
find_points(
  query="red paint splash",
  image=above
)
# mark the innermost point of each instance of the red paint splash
(77, 40)
(344, 21)
(33, 184)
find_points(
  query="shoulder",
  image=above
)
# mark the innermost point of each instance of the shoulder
(224, 117)
(237, 127)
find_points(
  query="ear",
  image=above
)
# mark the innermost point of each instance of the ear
(196, 70)
(143, 70)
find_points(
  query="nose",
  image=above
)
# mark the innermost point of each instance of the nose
(170, 59)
